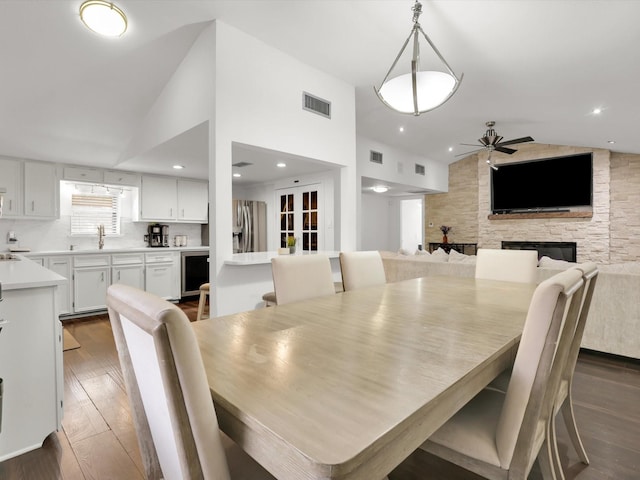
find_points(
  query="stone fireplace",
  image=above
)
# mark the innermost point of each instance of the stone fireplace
(557, 250)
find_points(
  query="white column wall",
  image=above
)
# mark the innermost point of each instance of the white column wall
(258, 100)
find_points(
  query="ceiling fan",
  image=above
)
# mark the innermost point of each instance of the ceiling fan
(491, 142)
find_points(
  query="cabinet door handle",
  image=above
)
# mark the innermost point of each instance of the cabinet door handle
(118, 275)
(10, 205)
(33, 205)
(102, 277)
(171, 212)
(183, 213)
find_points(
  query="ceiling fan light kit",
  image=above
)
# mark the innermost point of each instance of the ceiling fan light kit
(419, 91)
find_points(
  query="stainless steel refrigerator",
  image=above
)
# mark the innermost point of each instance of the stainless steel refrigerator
(249, 226)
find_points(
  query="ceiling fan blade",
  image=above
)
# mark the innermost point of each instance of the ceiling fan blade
(505, 150)
(515, 140)
(472, 145)
(469, 153)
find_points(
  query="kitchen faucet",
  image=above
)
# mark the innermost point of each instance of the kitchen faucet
(100, 236)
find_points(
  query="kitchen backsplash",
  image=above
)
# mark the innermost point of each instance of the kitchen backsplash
(39, 235)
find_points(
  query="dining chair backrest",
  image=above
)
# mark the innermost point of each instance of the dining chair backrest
(508, 265)
(536, 371)
(300, 277)
(167, 386)
(589, 276)
(361, 269)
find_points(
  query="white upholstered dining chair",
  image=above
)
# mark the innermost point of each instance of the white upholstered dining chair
(507, 265)
(499, 435)
(171, 404)
(300, 277)
(564, 399)
(361, 269)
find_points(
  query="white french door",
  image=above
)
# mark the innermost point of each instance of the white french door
(300, 216)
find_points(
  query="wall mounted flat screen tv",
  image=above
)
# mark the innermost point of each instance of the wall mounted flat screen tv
(549, 184)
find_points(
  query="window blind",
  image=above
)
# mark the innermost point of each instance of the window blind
(90, 210)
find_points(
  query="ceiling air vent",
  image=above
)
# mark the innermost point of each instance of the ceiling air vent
(242, 164)
(420, 170)
(316, 105)
(375, 157)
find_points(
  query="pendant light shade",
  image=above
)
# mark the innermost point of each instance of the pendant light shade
(103, 18)
(420, 90)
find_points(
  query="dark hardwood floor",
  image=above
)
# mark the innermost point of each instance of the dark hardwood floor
(98, 442)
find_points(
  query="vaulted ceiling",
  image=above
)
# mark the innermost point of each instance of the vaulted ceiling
(536, 67)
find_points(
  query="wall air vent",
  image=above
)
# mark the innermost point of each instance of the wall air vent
(316, 105)
(242, 164)
(375, 157)
(420, 170)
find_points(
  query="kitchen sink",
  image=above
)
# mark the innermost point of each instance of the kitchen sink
(8, 256)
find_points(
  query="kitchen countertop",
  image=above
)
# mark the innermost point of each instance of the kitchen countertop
(115, 250)
(23, 273)
(259, 258)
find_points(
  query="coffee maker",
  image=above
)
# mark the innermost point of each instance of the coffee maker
(157, 236)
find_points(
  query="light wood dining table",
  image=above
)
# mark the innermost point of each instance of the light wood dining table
(348, 385)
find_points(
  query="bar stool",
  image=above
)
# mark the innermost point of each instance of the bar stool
(204, 291)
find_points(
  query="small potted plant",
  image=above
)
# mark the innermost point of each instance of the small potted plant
(444, 229)
(291, 243)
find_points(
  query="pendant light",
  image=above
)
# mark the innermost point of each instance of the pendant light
(420, 90)
(103, 17)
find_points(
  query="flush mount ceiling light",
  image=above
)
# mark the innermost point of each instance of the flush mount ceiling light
(380, 189)
(281, 164)
(178, 167)
(103, 18)
(420, 90)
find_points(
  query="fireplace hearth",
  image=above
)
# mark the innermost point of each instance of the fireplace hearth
(556, 250)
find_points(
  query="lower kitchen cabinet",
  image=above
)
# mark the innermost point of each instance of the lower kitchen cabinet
(30, 368)
(62, 266)
(162, 274)
(91, 278)
(132, 275)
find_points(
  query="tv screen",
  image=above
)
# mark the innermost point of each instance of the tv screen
(539, 185)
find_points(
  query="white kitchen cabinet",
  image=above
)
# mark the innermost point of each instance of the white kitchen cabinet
(128, 269)
(11, 183)
(193, 201)
(158, 199)
(168, 199)
(112, 177)
(31, 369)
(40, 190)
(83, 174)
(62, 266)
(162, 274)
(91, 278)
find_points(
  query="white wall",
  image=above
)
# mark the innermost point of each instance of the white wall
(377, 214)
(258, 100)
(411, 223)
(436, 176)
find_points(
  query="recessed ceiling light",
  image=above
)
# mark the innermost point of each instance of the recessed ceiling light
(597, 111)
(281, 164)
(103, 18)
(451, 149)
(380, 188)
(611, 142)
(178, 167)
(401, 129)
(237, 175)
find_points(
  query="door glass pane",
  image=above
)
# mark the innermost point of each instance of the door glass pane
(290, 225)
(314, 241)
(314, 200)
(305, 201)
(314, 221)
(305, 241)
(283, 221)
(290, 203)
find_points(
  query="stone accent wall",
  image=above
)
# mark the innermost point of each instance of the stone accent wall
(455, 208)
(458, 208)
(625, 210)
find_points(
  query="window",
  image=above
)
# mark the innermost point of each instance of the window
(88, 210)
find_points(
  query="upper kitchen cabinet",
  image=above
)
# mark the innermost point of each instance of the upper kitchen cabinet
(193, 201)
(11, 186)
(31, 189)
(170, 199)
(41, 197)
